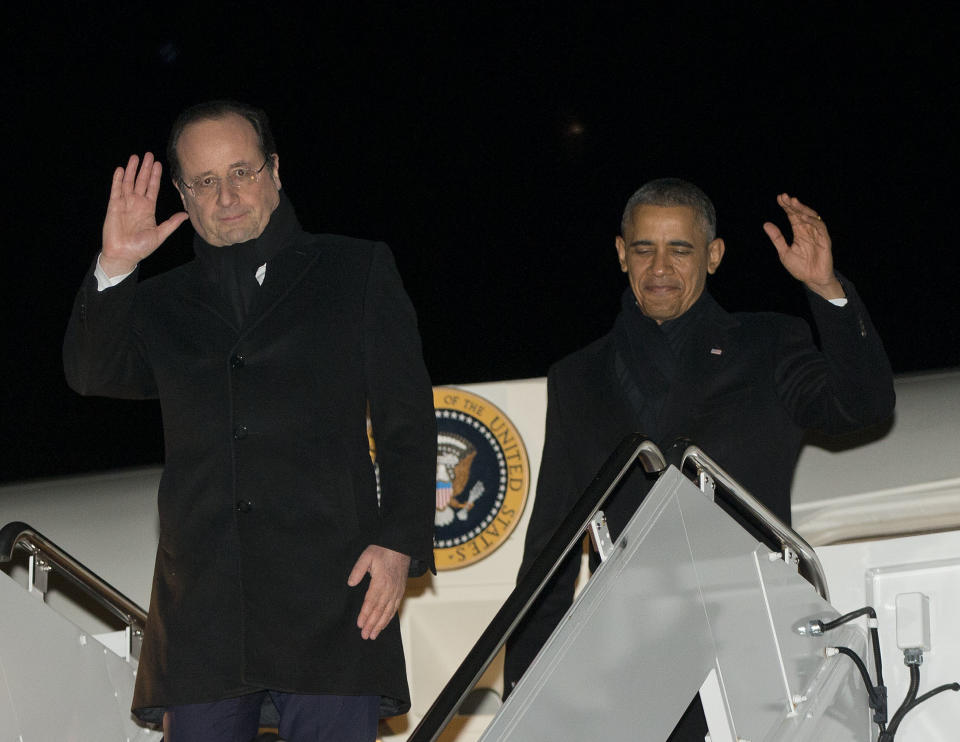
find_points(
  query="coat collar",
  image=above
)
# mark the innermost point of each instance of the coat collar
(285, 249)
(709, 349)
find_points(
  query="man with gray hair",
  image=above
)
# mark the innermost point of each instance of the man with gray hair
(744, 387)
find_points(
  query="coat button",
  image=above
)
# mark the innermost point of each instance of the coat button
(244, 506)
(240, 432)
(237, 360)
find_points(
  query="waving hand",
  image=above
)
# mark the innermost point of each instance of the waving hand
(810, 257)
(130, 230)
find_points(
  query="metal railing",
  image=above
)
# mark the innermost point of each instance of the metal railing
(635, 447)
(46, 555)
(758, 515)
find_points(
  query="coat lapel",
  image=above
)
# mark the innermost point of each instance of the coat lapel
(611, 403)
(283, 274)
(708, 352)
(199, 288)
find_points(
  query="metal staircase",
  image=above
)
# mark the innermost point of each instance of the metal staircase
(686, 601)
(58, 681)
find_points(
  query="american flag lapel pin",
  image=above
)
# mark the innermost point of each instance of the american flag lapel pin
(716, 351)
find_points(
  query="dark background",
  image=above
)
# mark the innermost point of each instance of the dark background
(493, 146)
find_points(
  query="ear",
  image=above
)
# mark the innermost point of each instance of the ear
(715, 252)
(275, 170)
(621, 252)
(183, 196)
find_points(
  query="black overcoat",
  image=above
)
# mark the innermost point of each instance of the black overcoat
(748, 386)
(268, 494)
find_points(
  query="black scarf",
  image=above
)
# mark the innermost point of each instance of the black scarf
(233, 268)
(647, 356)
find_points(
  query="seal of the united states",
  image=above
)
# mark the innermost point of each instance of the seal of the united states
(483, 476)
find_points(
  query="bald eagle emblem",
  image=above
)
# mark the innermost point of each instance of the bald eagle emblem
(455, 457)
(482, 477)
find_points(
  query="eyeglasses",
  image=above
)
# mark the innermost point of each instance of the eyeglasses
(240, 177)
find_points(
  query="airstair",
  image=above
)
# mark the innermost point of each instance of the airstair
(58, 681)
(686, 601)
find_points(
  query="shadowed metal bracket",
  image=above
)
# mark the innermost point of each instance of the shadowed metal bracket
(45, 556)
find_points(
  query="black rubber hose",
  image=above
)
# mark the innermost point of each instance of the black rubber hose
(875, 641)
(907, 704)
(874, 635)
(861, 666)
(930, 694)
(865, 611)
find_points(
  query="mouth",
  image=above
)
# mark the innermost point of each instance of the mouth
(231, 220)
(659, 290)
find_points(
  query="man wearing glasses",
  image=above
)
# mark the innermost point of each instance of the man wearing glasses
(283, 552)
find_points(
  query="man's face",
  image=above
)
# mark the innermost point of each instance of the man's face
(216, 147)
(666, 257)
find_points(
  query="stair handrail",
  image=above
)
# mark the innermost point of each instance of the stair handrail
(760, 516)
(635, 447)
(21, 535)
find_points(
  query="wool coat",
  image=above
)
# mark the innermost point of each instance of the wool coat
(268, 494)
(747, 387)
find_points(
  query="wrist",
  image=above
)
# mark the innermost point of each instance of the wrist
(113, 267)
(829, 290)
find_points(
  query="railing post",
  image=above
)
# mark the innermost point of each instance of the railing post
(39, 575)
(46, 555)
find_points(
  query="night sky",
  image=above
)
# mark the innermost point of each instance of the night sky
(493, 146)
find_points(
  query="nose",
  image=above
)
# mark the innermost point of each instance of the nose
(661, 263)
(226, 193)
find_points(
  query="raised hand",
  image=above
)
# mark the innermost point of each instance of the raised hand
(388, 579)
(810, 257)
(130, 229)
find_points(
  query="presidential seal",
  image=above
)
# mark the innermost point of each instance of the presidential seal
(483, 477)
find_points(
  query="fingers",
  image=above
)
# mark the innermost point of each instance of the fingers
(797, 211)
(153, 183)
(379, 606)
(116, 185)
(144, 181)
(143, 174)
(808, 258)
(388, 577)
(129, 175)
(123, 178)
(359, 569)
(776, 237)
(168, 227)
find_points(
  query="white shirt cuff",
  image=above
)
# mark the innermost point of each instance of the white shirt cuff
(103, 280)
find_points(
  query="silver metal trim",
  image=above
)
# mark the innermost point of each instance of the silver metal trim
(600, 536)
(46, 555)
(761, 516)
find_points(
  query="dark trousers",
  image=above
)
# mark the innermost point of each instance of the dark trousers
(303, 718)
